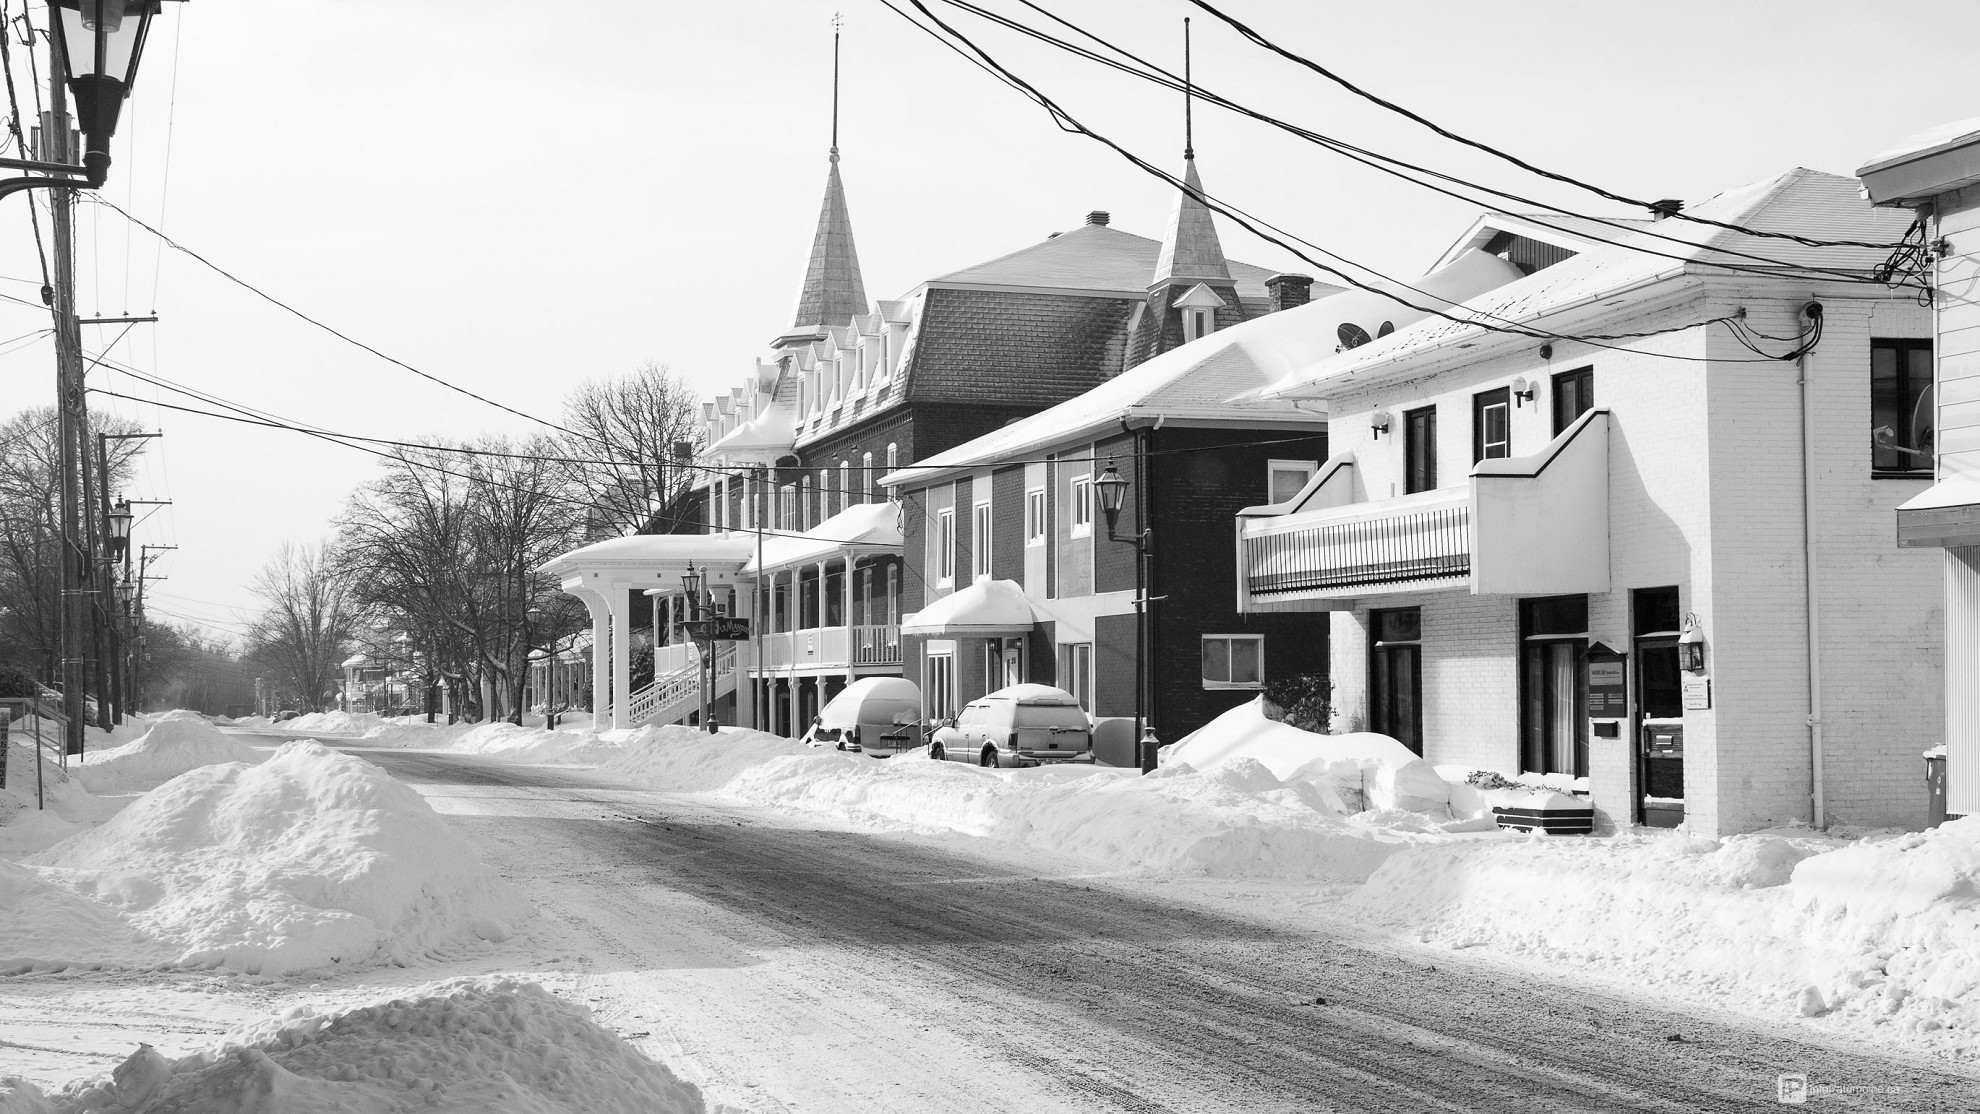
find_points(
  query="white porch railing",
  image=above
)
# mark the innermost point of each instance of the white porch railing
(832, 647)
(876, 644)
(672, 688)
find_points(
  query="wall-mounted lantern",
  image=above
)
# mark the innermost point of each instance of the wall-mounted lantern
(1378, 423)
(1522, 390)
(1691, 646)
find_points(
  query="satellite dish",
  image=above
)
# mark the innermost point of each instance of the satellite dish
(1922, 421)
(1387, 328)
(1352, 335)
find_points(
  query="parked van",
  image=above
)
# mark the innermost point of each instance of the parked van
(865, 717)
(1023, 725)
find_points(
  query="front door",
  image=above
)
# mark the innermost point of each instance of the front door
(1396, 675)
(1659, 708)
(1013, 662)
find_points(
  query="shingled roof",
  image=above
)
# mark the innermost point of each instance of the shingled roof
(1094, 258)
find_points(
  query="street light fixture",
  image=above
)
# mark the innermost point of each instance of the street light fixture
(124, 593)
(120, 527)
(1111, 488)
(98, 43)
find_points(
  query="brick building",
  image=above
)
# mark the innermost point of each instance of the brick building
(1501, 509)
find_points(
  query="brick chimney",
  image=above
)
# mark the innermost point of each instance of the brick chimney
(1288, 291)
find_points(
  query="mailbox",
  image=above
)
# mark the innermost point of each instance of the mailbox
(1663, 759)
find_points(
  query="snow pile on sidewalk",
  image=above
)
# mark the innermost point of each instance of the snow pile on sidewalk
(1880, 935)
(41, 925)
(309, 859)
(689, 759)
(177, 742)
(1366, 770)
(494, 1046)
(332, 723)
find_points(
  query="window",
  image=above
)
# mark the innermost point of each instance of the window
(872, 482)
(1901, 407)
(1197, 323)
(893, 595)
(1491, 425)
(940, 691)
(845, 484)
(1553, 683)
(1082, 506)
(1286, 478)
(1574, 395)
(1233, 661)
(945, 546)
(993, 665)
(804, 503)
(1076, 671)
(1395, 675)
(893, 457)
(824, 494)
(1420, 450)
(787, 498)
(979, 542)
(1034, 517)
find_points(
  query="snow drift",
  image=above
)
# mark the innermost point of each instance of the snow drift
(177, 742)
(332, 723)
(496, 1046)
(1366, 770)
(309, 859)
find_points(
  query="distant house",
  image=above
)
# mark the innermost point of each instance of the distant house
(1934, 416)
(1504, 504)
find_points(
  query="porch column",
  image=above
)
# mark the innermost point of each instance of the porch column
(821, 596)
(846, 617)
(621, 605)
(601, 642)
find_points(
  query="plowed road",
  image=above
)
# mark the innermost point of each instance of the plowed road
(787, 967)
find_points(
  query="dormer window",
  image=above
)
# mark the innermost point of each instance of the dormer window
(1196, 323)
(1199, 308)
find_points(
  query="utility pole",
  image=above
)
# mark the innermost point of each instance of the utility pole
(138, 659)
(73, 415)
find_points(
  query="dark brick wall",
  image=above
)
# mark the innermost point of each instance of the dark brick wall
(1007, 524)
(896, 427)
(1159, 328)
(1113, 561)
(1042, 654)
(1113, 665)
(965, 520)
(914, 544)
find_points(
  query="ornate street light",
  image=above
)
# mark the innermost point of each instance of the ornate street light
(1112, 488)
(125, 591)
(98, 43)
(691, 584)
(120, 527)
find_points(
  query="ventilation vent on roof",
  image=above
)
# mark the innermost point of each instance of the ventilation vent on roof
(1667, 207)
(1098, 216)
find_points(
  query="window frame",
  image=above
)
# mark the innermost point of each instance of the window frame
(1076, 672)
(1419, 433)
(1583, 378)
(939, 691)
(1909, 467)
(1381, 716)
(945, 547)
(1310, 468)
(980, 526)
(1482, 404)
(1080, 513)
(1230, 641)
(1034, 517)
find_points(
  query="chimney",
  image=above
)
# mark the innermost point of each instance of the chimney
(1668, 207)
(1288, 291)
(1098, 216)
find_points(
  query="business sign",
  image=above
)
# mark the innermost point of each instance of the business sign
(718, 629)
(1608, 683)
(1697, 693)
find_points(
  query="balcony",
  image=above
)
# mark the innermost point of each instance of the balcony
(1534, 525)
(832, 649)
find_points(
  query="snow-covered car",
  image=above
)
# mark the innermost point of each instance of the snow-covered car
(868, 716)
(1023, 725)
(286, 714)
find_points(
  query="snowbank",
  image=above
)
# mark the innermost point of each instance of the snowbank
(1367, 770)
(483, 1045)
(177, 742)
(1881, 935)
(309, 859)
(332, 723)
(689, 759)
(41, 924)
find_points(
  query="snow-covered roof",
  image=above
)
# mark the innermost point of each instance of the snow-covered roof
(987, 607)
(1805, 202)
(773, 431)
(1092, 257)
(1931, 141)
(354, 661)
(1953, 491)
(656, 548)
(1216, 377)
(862, 525)
(1937, 160)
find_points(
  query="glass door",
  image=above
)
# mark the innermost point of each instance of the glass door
(1395, 675)
(1659, 707)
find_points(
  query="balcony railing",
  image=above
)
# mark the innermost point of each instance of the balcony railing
(878, 644)
(832, 647)
(1350, 547)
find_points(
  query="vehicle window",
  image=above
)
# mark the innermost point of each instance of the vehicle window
(1037, 715)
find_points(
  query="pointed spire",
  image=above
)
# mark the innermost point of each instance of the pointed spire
(1191, 252)
(833, 291)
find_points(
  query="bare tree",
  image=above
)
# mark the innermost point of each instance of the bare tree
(632, 422)
(305, 627)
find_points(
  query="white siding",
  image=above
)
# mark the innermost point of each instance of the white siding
(1958, 398)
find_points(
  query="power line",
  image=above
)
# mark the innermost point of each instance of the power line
(1398, 109)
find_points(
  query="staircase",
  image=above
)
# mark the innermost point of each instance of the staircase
(672, 697)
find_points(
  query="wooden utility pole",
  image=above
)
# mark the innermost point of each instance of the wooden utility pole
(74, 414)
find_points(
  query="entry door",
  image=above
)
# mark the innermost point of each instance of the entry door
(1659, 707)
(1395, 669)
(1013, 662)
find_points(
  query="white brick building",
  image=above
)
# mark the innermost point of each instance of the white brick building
(1497, 504)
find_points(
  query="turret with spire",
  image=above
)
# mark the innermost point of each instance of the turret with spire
(1192, 293)
(833, 291)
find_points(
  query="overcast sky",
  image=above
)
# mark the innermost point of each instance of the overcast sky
(519, 196)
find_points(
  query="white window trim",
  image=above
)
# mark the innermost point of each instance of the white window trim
(1082, 499)
(1250, 686)
(1034, 523)
(1310, 467)
(945, 547)
(980, 525)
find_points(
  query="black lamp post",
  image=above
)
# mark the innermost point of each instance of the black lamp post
(700, 628)
(120, 528)
(99, 43)
(1111, 489)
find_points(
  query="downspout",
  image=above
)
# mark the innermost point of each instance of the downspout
(1814, 310)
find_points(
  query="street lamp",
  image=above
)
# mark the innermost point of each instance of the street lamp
(1111, 488)
(120, 527)
(98, 43)
(125, 591)
(701, 628)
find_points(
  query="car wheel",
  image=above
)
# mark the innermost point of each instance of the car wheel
(842, 745)
(989, 759)
(937, 753)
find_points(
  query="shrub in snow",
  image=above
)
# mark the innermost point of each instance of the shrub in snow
(177, 742)
(493, 1046)
(308, 859)
(1303, 700)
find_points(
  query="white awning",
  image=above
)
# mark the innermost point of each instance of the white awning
(986, 608)
(1945, 515)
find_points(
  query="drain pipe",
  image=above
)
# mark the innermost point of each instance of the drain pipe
(1813, 311)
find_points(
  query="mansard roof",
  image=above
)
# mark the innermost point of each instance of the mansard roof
(1093, 258)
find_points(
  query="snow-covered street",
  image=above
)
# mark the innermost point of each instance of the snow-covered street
(788, 964)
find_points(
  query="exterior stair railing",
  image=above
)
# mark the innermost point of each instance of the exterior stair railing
(667, 692)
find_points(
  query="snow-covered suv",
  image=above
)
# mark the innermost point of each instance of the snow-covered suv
(1023, 725)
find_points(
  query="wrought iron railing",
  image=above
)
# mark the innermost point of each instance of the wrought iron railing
(876, 644)
(1429, 544)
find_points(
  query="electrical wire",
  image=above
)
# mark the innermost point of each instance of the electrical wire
(1260, 40)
